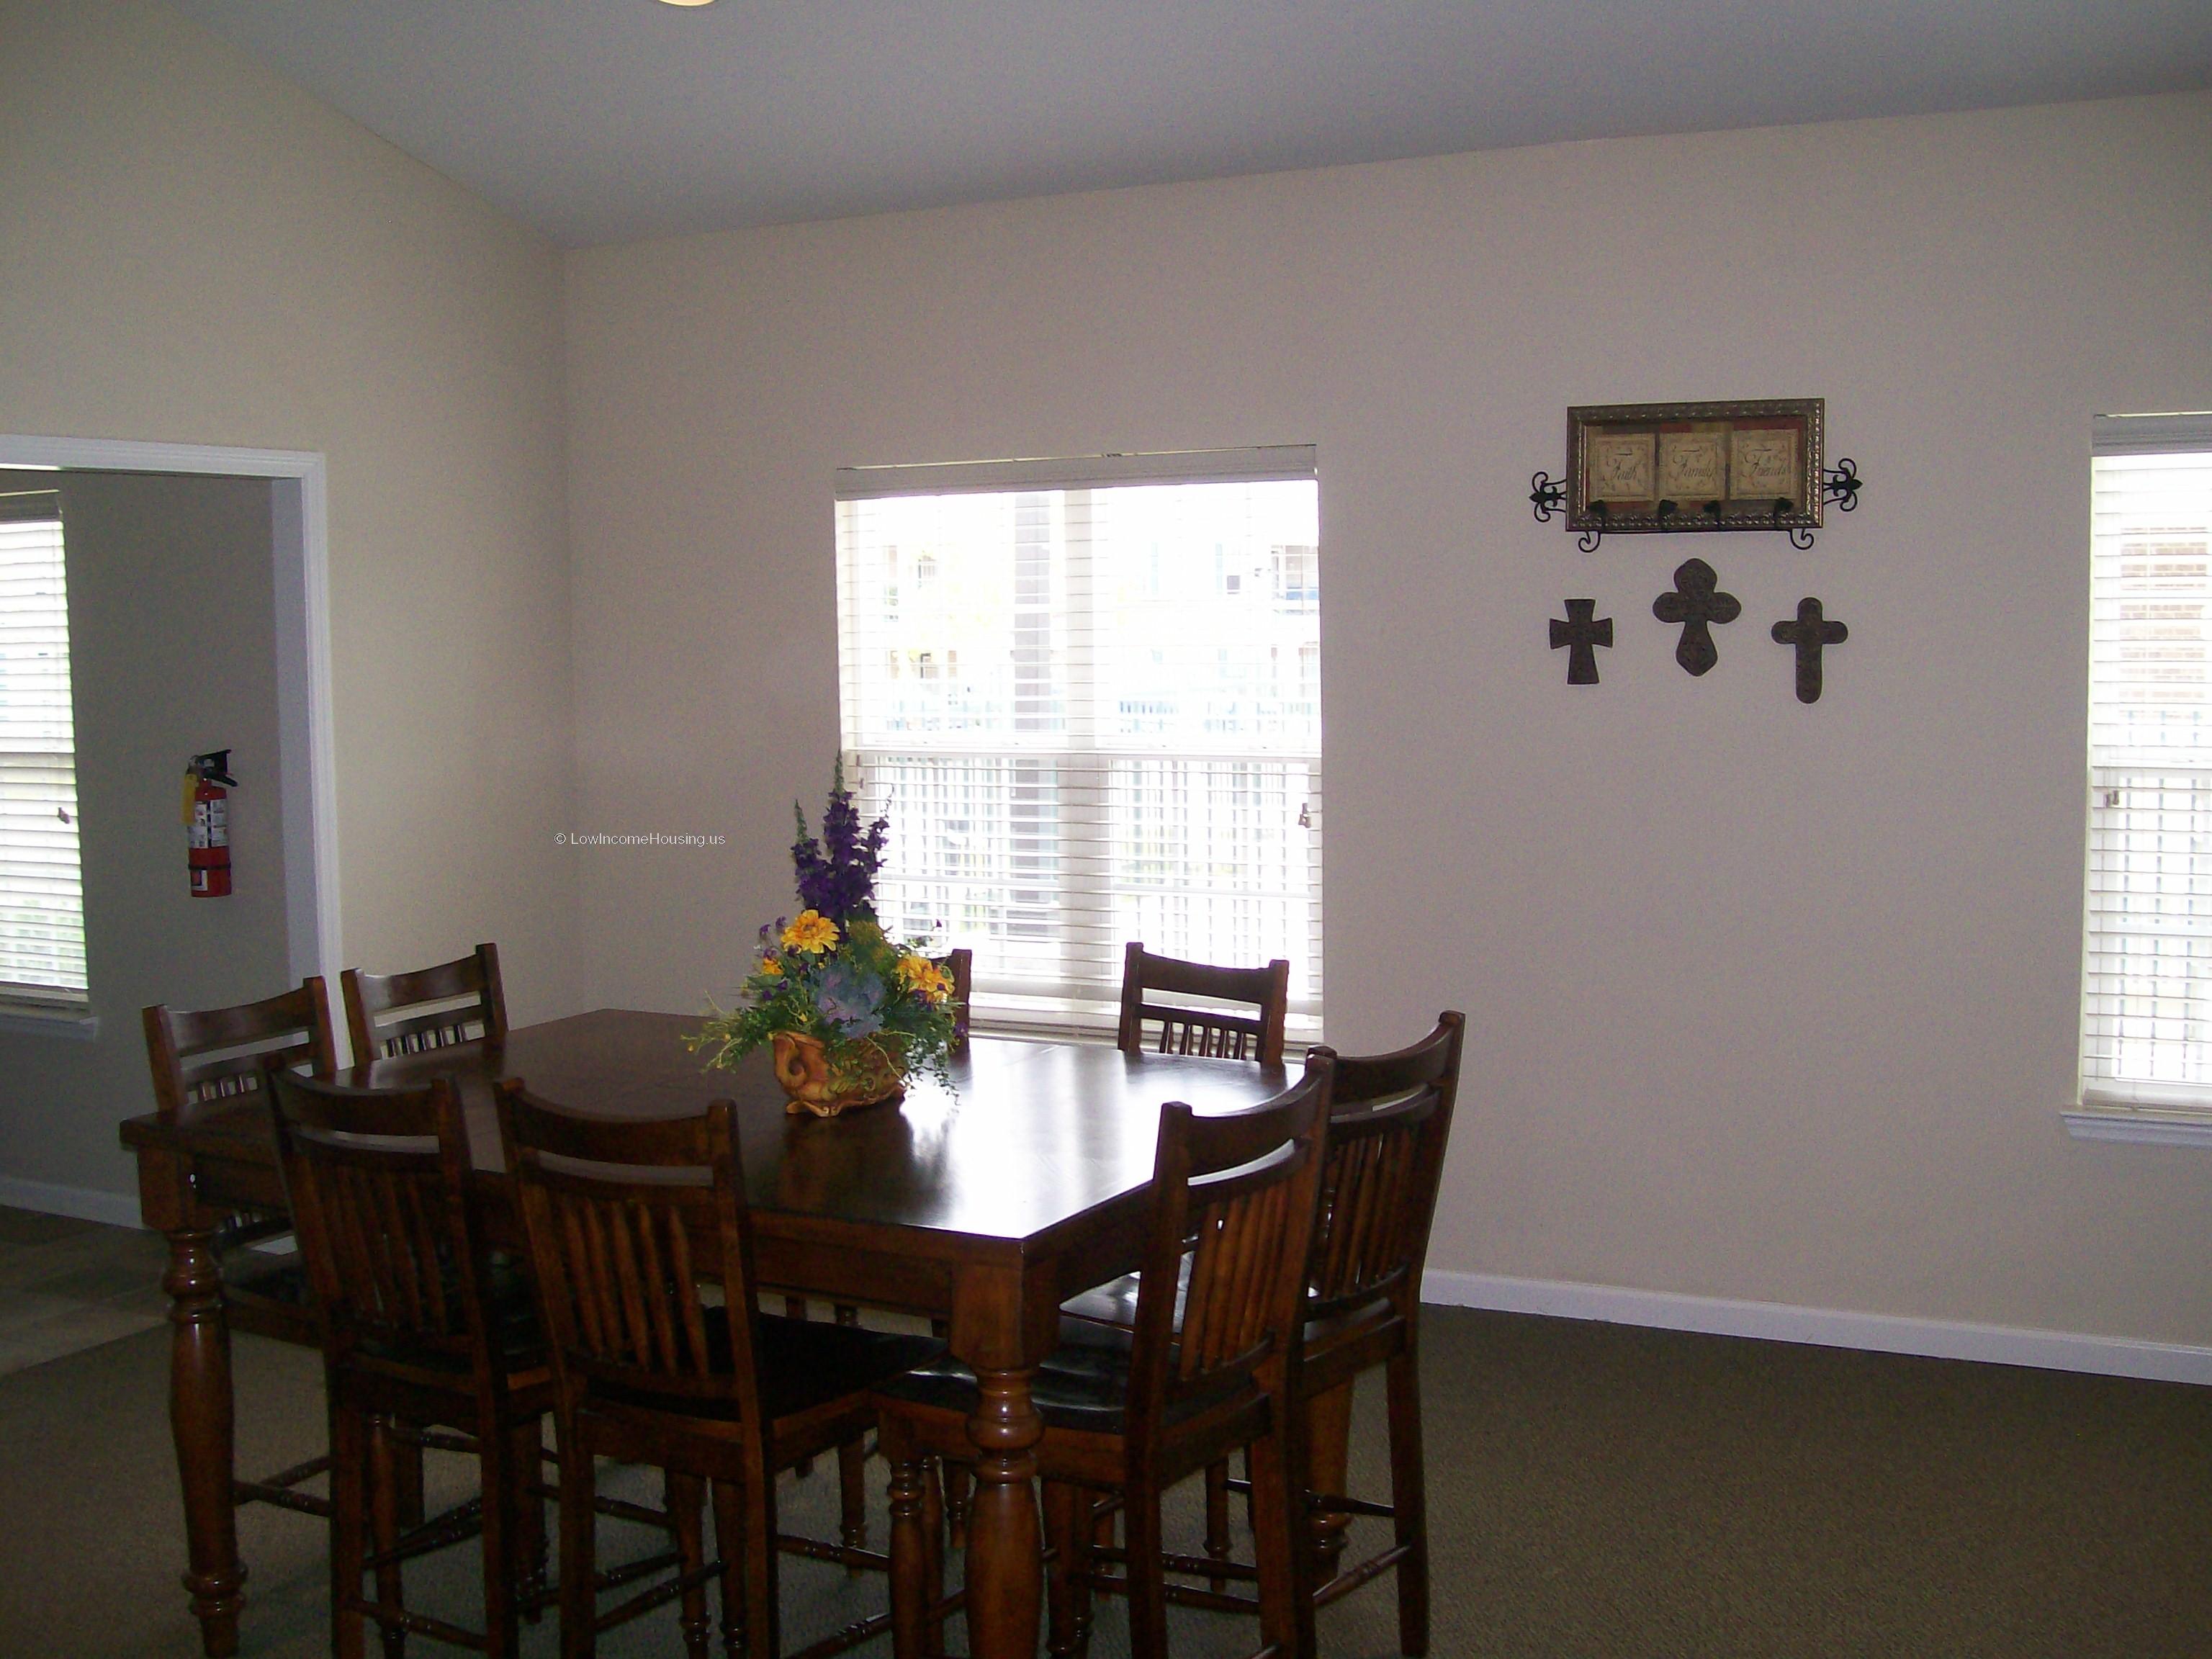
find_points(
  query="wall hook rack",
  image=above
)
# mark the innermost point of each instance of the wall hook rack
(1641, 468)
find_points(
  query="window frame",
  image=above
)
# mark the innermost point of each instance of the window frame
(33, 1005)
(2162, 1110)
(1086, 1005)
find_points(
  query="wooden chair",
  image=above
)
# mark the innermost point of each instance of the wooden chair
(625, 1219)
(1206, 1030)
(420, 1324)
(389, 1014)
(1129, 1414)
(1388, 1130)
(218, 1059)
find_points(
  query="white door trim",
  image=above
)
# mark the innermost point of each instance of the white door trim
(300, 537)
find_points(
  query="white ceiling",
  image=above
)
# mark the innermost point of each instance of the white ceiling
(612, 120)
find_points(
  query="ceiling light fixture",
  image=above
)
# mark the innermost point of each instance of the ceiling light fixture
(687, 2)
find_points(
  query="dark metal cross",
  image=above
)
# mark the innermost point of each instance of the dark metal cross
(1694, 604)
(1579, 633)
(1808, 634)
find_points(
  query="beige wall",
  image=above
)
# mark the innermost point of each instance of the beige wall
(1767, 1000)
(152, 686)
(192, 251)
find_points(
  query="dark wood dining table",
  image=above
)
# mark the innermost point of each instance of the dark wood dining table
(987, 1204)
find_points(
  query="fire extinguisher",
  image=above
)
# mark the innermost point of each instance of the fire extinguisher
(208, 784)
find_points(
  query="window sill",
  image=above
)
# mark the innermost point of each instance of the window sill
(2141, 1125)
(29, 1019)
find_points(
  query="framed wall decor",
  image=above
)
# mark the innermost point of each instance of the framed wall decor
(1743, 465)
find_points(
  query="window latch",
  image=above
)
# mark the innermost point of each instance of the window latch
(1305, 815)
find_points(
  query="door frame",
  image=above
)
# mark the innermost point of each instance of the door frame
(300, 543)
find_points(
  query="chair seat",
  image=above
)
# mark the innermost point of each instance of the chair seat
(1113, 1306)
(803, 1366)
(1115, 1302)
(1082, 1385)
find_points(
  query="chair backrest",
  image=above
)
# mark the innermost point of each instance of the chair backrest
(379, 1023)
(1204, 1030)
(220, 1054)
(1238, 1194)
(625, 1218)
(959, 965)
(377, 1181)
(1388, 1130)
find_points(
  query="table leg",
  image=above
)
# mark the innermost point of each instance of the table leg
(200, 1419)
(1006, 1546)
(1328, 1459)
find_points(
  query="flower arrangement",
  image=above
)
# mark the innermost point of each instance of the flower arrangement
(879, 1011)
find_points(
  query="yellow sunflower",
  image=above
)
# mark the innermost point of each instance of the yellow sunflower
(920, 974)
(813, 933)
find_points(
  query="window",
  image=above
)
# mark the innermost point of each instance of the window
(41, 891)
(2147, 974)
(1095, 719)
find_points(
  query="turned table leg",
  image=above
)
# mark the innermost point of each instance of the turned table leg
(200, 1419)
(1328, 1457)
(1005, 1547)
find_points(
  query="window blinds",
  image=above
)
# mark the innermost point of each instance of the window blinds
(41, 891)
(2147, 976)
(1088, 695)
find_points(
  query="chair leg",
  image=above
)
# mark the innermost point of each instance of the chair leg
(959, 1488)
(957, 1480)
(1216, 1519)
(1067, 1598)
(685, 1494)
(579, 1598)
(910, 1595)
(763, 1615)
(933, 1536)
(527, 1469)
(794, 1307)
(349, 1500)
(852, 1472)
(730, 1544)
(1142, 1544)
(407, 1464)
(1409, 1502)
(385, 1500)
(495, 1466)
(1279, 1547)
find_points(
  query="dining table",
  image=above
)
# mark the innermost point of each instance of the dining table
(983, 1198)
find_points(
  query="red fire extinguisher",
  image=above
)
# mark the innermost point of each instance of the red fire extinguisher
(208, 784)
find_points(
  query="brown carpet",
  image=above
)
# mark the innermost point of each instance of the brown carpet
(1596, 1489)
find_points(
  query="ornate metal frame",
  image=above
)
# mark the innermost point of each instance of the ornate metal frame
(1799, 513)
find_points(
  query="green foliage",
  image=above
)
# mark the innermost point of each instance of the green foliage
(862, 992)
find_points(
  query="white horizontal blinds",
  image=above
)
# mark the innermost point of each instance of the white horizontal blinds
(2147, 984)
(41, 891)
(1093, 715)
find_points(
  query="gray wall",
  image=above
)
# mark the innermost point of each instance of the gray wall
(171, 653)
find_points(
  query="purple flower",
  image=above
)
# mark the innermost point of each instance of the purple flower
(838, 874)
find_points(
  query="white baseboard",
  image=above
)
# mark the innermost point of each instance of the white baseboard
(1935, 1339)
(85, 1203)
